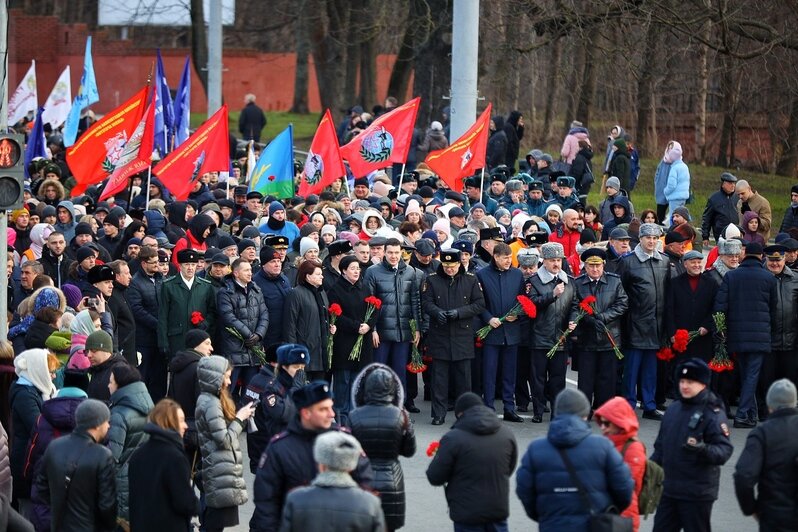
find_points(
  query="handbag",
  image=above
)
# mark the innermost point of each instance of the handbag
(608, 520)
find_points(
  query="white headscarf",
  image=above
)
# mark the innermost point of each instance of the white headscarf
(32, 365)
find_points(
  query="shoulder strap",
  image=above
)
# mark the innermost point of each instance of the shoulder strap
(579, 486)
(628, 443)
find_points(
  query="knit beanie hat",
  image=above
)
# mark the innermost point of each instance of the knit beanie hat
(84, 253)
(275, 206)
(195, 337)
(125, 374)
(337, 450)
(306, 244)
(328, 230)
(571, 401)
(781, 394)
(614, 182)
(72, 294)
(442, 225)
(466, 401)
(412, 206)
(91, 414)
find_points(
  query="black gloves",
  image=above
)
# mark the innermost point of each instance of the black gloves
(697, 448)
(300, 379)
(441, 317)
(451, 314)
(252, 341)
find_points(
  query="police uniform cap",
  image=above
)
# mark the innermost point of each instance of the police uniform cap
(450, 256)
(491, 233)
(536, 184)
(463, 246)
(566, 181)
(498, 177)
(187, 255)
(339, 247)
(101, 272)
(694, 369)
(594, 256)
(276, 241)
(775, 252)
(311, 393)
(288, 354)
(527, 257)
(472, 182)
(537, 238)
(163, 256)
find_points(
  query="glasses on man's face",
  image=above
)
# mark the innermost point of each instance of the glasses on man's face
(152, 262)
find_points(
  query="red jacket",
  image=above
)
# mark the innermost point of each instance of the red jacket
(618, 411)
(568, 239)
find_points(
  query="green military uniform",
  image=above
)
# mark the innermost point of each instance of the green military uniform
(178, 303)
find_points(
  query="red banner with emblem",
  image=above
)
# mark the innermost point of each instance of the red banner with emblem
(464, 156)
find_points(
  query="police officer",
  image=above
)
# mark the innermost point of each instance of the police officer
(692, 445)
(451, 298)
(271, 389)
(596, 334)
(288, 462)
(528, 259)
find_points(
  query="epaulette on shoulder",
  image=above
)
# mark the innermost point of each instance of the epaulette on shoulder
(202, 280)
(612, 274)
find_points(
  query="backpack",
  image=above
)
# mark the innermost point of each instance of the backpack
(653, 479)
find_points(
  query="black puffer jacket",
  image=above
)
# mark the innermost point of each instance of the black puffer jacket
(26, 405)
(246, 312)
(611, 305)
(784, 312)
(385, 432)
(398, 290)
(768, 463)
(474, 461)
(306, 323)
(646, 284)
(553, 311)
(101, 376)
(454, 340)
(721, 210)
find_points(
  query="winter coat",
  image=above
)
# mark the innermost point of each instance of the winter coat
(611, 306)
(768, 463)
(570, 145)
(26, 405)
(332, 502)
(789, 221)
(274, 290)
(57, 268)
(100, 376)
(462, 293)
(5, 465)
(143, 297)
(194, 236)
(546, 489)
(130, 406)
(660, 181)
(57, 419)
(251, 121)
(184, 387)
(690, 310)
(721, 210)
(306, 323)
(693, 475)
(582, 169)
(553, 312)
(621, 167)
(474, 463)
(288, 464)
(500, 290)
(351, 297)
(615, 221)
(245, 311)
(784, 312)
(222, 458)
(383, 429)
(276, 408)
(92, 501)
(176, 307)
(618, 412)
(68, 228)
(433, 140)
(677, 187)
(160, 483)
(515, 133)
(605, 208)
(748, 235)
(761, 206)
(497, 144)
(37, 334)
(125, 323)
(399, 291)
(645, 281)
(746, 296)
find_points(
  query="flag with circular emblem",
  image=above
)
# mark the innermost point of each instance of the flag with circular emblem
(323, 164)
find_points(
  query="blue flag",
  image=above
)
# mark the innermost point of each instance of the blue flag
(87, 95)
(182, 105)
(36, 146)
(274, 171)
(164, 114)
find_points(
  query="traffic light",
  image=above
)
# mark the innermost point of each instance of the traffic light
(12, 171)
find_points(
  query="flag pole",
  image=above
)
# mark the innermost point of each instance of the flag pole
(482, 184)
(149, 176)
(346, 184)
(401, 178)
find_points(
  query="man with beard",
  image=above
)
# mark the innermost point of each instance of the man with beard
(54, 260)
(276, 223)
(21, 220)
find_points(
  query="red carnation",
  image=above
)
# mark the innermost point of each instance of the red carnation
(479, 342)
(587, 305)
(197, 318)
(335, 310)
(374, 302)
(527, 306)
(414, 367)
(665, 354)
(433, 448)
(680, 340)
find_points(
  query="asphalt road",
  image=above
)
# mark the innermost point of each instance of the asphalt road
(426, 505)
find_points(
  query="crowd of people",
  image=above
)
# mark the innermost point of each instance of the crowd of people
(148, 337)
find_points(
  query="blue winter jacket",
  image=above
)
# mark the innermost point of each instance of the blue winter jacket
(677, 186)
(501, 290)
(660, 180)
(544, 485)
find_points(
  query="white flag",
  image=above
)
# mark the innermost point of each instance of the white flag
(251, 162)
(58, 104)
(24, 100)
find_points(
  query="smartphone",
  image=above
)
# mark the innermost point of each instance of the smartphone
(92, 302)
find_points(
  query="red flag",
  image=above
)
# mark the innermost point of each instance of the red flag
(135, 157)
(207, 150)
(464, 156)
(323, 164)
(385, 141)
(95, 155)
